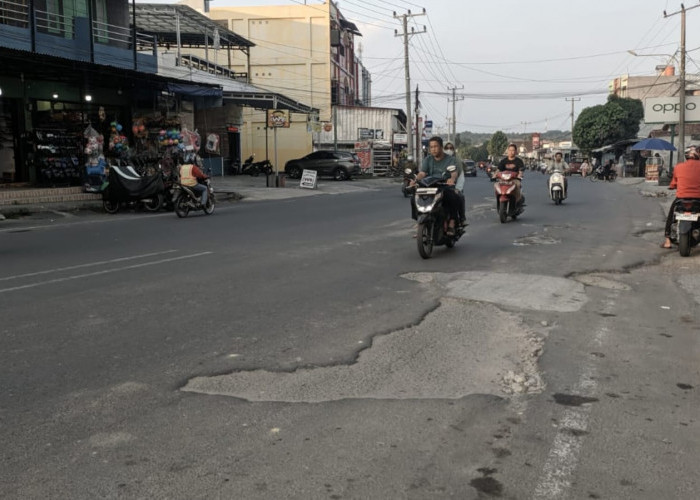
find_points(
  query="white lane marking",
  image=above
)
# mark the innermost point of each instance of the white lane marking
(563, 457)
(106, 271)
(60, 269)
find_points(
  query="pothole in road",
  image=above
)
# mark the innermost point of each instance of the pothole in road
(601, 282)
(523, 291)
(465, 346)
(461, 348)
(535, 239)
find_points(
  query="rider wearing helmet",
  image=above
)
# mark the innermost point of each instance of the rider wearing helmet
(686, 180)
(190, 173)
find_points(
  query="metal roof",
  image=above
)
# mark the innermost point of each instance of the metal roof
(258, 98)
(161, 20)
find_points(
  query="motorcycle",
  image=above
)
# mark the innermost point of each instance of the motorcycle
(186, 199)
(432, 215)
(685, 230)
(408, 177)
(491, 172)
(505, 197)
(599, 175)
(557, 187)
(126, 187)
(255, 168)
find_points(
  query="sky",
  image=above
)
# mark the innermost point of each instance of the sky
(516, 65)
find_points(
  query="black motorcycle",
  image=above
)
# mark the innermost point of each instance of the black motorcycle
(255, 168)
(685, 230)
(125, 187)
(186, 199)
(433, 218)
(408, 177)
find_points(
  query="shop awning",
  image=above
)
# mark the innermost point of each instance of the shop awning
(196, 30)
(245, 94)
(351, 27)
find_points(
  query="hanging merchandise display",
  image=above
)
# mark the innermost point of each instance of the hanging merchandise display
(95, 163)
(118, 143)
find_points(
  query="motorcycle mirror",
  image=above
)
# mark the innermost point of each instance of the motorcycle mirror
(408, 171)
(451, 168)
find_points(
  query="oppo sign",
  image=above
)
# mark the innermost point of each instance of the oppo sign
(667, 109)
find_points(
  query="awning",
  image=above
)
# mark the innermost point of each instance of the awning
(351, 27)
(194, 90)
(262, 99)
(196, 30)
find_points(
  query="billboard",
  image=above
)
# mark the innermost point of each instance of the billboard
(667, 109)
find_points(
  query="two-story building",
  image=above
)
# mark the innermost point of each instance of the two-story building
(309, 53)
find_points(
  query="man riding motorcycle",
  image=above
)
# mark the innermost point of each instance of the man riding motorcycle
(190, 173)
(512, 163)
(560, 165)
(436, 165)
(686, 181)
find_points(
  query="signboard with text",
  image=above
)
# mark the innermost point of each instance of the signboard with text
(278, 118)
(667, 109)
(308, 179)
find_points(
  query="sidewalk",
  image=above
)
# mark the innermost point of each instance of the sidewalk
(233, 187)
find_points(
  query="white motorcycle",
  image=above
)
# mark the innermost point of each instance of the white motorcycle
(557, 187)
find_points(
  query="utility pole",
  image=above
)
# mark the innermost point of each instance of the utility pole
(405, 35)
(681, 90)
(573, 100)
(453, 137)
(419, 132)
(525, 124)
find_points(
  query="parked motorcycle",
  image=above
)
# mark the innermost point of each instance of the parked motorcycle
(255, 168)
(186, 199)
(408, 177)
(433, 218)
(126, 187)
(557, 187)
(505, 196)
(685, 230)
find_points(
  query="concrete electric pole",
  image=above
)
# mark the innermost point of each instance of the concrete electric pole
(573, 100)
(681, 90)
(405, 35)
(453, 136)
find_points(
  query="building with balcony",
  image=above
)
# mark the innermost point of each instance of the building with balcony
(308, 53)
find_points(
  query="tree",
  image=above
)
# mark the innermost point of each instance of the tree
(616, 120)
(498, 144)
(478, 153)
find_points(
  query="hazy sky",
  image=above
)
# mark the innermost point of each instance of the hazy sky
(517, 61)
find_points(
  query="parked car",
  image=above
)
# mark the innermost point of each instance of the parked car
(575, 166)
(469, 168)
(341, 165)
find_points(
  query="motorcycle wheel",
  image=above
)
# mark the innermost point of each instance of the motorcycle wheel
(424, 239)
(154, 203)
(111, 207)
(211, 202)
(684, 244)
(557, 198)
(181, 208)
(503, 213)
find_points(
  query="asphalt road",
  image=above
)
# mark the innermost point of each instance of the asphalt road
(301, 348)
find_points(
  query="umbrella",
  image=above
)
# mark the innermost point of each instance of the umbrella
(653, 144)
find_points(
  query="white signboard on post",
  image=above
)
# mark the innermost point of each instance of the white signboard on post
(308, 179)
(666, 109)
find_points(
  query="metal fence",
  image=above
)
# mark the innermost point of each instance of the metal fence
(14, 13)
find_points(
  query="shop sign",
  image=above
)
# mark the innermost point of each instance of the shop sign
(278, 118)
(400, 138)
(368, 134)
(667, 109)
(308, 179)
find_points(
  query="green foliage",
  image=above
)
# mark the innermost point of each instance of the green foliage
(498, 144)
(477, 153)
(616, 120)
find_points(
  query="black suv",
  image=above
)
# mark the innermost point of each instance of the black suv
(340, 165)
